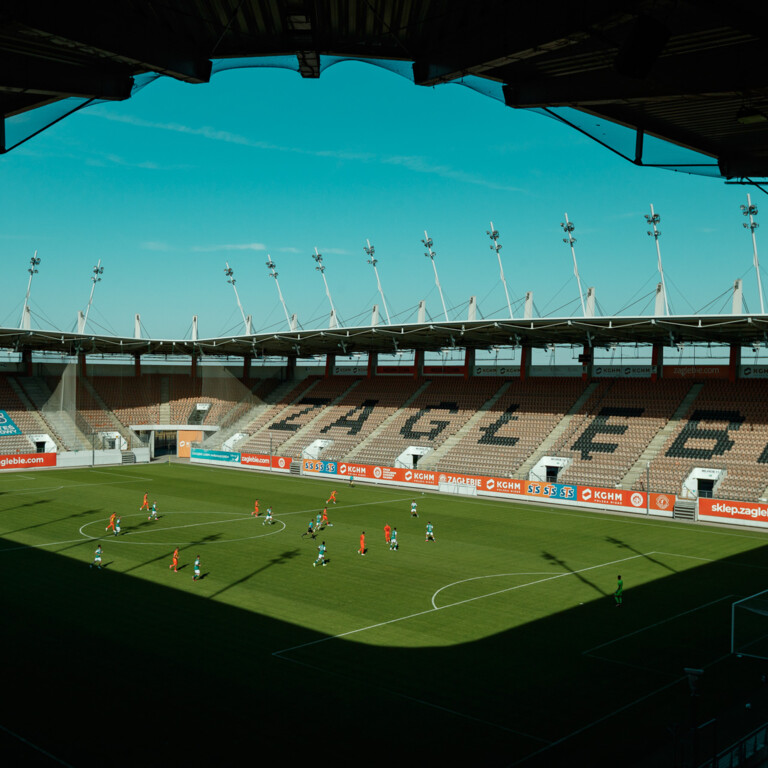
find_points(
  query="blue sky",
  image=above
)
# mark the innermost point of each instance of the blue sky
(167, 186)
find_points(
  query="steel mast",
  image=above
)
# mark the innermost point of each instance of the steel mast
(369, 251)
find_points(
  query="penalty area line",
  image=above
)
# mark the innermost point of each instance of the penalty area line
(452, 605)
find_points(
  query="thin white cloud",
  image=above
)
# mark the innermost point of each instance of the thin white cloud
(156, 245)
(287, 249)
(410, 162)
(230, 247)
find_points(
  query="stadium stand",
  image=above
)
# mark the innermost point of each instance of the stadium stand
(132, 400)
(726, 428)
(512, 428)
(438, 412)
(614, 427)
(350, 421)
(28, 421)
(287, 421)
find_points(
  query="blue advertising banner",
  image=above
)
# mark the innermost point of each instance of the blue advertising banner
(205, 455)
(7, 426)
(324, 467)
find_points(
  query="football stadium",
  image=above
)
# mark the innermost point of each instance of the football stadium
(508, 537)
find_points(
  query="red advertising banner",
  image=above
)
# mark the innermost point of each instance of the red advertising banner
(610, 497)
(695, 371)
(28, 461)
(725, 511)
(264, 461)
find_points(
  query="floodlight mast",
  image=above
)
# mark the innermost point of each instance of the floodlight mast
(494, 235)
(751, 211)
(34, 263)
(653, 220)
(230, 273)
(568, 228)
(430, 254)
(273, 273)
(318, 257)
(98, 271)
(369, 251)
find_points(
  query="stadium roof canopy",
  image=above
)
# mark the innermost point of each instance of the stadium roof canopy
(480, 334)
(691, 72)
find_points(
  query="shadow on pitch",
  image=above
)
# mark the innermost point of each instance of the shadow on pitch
(278, 560)
(623, 545)
(84, 513)
(555, 560)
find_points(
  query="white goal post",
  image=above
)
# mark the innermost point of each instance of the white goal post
(749, 626)
(460, 489)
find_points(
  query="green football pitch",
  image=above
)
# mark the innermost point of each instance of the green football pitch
(499, 643)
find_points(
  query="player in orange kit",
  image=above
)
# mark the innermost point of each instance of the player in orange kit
(145, 503)
(331, 499)
(111, 522)
(387, 533)
(324, 521)
(255, 512)
(175, 558)
(362, 543)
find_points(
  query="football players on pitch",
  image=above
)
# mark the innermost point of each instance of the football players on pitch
(430, 535)
(393, 539)
(255, 512)
(268, 518)
(310, 530)
(145, 503)
(175, 558)
(153, 511)
(320, 555)
(414, 513)
(97, 558)
(196, 577)
(111, 522)
(331, 498)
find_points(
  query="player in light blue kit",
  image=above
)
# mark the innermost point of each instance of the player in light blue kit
(320, 555)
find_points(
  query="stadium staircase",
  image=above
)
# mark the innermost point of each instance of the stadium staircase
(165, 400)
(684, 509)
(290, 446)
(128, 457)
(660, 439)
(431, 459)
(61, 422)
(217, 439)
(127, 433)
(556, 434)
(42, 427)
(384, 424)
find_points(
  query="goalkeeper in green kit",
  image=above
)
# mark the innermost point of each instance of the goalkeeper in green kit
(618, 594)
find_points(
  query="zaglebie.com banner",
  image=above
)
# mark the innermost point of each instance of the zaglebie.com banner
(583, 495)
(264, 461)
(736, 512)
(28, 461)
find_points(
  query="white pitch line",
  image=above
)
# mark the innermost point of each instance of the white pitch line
(48, 544)
(657, 624)
(453, 605)
(492, 576)
(31, 745)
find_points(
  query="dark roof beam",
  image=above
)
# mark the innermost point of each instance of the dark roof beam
(728, 71)
(131, 41)
(31, 75)
(500, 39)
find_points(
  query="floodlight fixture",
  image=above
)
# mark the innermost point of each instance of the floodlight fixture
(373, 261)
(318, 257)
(750, 210)
(97, 271)
(430, 254)
(230, 273)
(654, 220)
(34, 263)
(272, 267)
(569, 240)
(496, 248)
